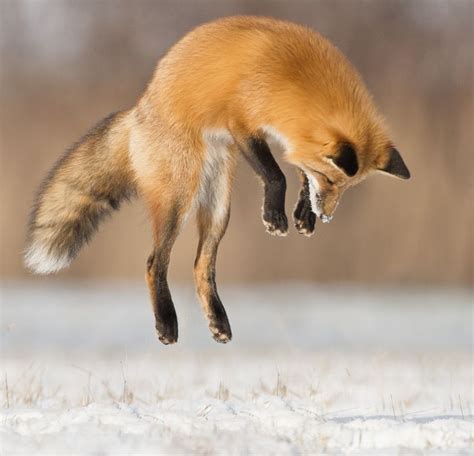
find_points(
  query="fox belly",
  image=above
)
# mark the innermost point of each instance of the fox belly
(188, 173)
(217, 171)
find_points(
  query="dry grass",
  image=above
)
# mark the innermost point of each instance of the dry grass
(134, 409)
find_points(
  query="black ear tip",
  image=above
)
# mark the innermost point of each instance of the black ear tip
(396, 165)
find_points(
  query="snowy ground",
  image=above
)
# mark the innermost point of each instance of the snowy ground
(311, 370)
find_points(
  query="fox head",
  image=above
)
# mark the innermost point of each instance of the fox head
(334, 163)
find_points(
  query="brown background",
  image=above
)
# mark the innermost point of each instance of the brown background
(66, 64)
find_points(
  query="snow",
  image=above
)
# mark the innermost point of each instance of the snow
(311, 370)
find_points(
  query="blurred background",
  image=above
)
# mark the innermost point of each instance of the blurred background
(66, 64)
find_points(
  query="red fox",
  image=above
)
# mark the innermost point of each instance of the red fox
(239, 85)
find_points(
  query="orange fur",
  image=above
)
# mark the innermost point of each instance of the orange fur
(242, 73)
(224, 83)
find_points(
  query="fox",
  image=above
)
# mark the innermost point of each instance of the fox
(238, 86)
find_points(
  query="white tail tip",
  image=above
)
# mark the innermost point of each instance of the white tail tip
(38, 259)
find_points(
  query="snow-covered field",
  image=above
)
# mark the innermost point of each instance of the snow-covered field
(311, 370)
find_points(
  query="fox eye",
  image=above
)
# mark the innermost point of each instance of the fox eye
(330, 182)
(346, 159)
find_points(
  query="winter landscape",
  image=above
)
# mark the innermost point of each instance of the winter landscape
(311, 370)
(380, 367)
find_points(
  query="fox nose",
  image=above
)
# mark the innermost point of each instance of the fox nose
(325, 218)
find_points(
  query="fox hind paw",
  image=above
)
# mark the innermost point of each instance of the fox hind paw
(221, 331)
(167, 331)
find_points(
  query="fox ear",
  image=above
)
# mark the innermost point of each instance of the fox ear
(346, 159)
(395, 165)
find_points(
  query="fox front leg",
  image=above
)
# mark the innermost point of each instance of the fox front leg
(303, 215)
(258, 154)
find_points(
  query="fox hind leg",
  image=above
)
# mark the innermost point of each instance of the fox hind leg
(212, 217)
(211, 231)
(167, 221)
(166, 322)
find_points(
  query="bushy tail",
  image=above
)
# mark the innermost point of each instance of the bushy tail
(90, 181)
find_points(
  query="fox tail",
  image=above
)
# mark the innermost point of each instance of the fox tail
(86, 184)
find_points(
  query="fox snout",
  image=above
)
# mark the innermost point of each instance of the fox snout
(329, 202)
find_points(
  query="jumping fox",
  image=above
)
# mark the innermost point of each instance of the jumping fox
(239, 85)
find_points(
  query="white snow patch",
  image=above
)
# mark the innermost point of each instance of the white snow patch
(386, 372)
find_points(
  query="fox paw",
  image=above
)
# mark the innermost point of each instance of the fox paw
(275, 223)
(305, 220)
(167, 331)
(221, 331)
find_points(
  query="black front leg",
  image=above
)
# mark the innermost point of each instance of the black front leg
(258, 154)
(303, 215)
